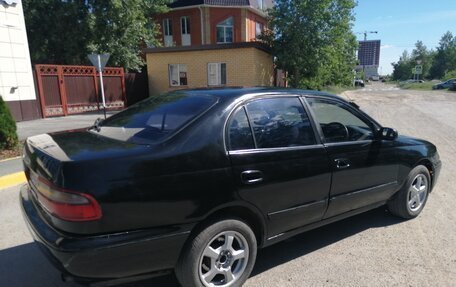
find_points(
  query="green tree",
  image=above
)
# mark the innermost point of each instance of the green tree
(122, 27)
(58, 31)
(445, 58)
(422, 55)
(313, 41)
(8, 136)
(402, 70)
(449, 75)
(65, 31)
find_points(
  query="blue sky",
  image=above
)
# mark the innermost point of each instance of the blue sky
(400, 23)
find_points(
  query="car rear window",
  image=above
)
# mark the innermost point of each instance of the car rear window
(156, 118)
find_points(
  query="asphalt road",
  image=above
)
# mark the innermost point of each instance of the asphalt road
(371, 249)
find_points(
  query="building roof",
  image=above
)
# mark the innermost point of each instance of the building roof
(239, 45)
(251, 3)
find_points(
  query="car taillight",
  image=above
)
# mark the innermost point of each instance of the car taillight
(64, 204)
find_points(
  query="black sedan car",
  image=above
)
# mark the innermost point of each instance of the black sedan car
(195, 181)
(445, 85)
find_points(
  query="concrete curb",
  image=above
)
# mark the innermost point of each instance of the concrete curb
(12, 179)
(8, 159)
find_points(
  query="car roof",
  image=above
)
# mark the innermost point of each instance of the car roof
(232, 93)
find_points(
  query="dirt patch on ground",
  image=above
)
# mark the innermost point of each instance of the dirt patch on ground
(11, 153)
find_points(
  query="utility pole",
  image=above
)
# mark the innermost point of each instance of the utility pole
(365, 39)
(99, 61)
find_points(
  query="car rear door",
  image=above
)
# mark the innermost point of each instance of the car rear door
(364, 171)
(278, 163)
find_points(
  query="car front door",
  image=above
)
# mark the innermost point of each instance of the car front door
(364, 171)
(278, 163)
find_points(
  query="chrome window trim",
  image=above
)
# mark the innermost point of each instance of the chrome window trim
(348, 143)
(275, 149)
(259, 96)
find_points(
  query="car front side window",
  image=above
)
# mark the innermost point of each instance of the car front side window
(338, 123)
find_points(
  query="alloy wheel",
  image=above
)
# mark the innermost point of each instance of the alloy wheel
(224, 259)
(417, 192)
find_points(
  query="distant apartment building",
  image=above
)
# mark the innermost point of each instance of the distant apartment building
(210, 43)
(369, 57)
(16, 79)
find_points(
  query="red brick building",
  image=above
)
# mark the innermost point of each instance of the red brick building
(208, 43)
(201, 22)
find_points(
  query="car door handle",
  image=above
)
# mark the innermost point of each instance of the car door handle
(342, 163)
(251, 176)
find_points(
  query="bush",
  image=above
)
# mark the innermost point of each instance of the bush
(8, 136)
(450, 75)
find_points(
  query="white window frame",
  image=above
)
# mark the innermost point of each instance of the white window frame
(186, 23)
(260, 4)
(179, 67)
(224, 30)
(167, 27)
(258, 29)
(217, 80)
(186, 39)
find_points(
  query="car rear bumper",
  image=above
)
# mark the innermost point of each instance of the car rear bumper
(108, 256)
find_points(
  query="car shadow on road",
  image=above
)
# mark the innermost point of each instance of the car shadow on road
(25, 265)
(313, 240)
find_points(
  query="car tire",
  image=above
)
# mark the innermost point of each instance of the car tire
(223, 254)
(410, 200)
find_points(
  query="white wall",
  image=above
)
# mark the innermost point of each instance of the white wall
(15, 66)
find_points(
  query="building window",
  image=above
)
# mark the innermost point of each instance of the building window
(185, 31)
(216, 74)
(185, 25)
(260, 4)
(225, 31)
(258, 29)
(177, 75)
(167, 27)
(168, 32)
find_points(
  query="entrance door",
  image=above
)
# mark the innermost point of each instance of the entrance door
(168, 32)
(185, 29)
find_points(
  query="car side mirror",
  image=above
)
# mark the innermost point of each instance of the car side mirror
(387, 134)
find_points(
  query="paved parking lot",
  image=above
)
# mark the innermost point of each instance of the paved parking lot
(371, 249)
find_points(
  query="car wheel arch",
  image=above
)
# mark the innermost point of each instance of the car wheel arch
(236, 210)
(427, 163)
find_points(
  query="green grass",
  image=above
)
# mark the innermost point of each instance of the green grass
(426, 86)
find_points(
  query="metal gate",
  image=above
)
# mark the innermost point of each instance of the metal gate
(68, 90)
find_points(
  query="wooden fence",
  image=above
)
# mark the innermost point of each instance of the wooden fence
(65, 90)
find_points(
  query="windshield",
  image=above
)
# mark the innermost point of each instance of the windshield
(155, 118)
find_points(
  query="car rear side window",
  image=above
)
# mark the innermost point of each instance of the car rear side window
(155, 118)
(280, 122)
(240, 132)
